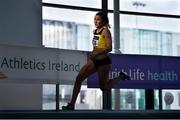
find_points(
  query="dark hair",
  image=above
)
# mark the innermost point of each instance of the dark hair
(104, 18)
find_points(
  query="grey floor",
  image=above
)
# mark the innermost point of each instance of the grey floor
(90, 114)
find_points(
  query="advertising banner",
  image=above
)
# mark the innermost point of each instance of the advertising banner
(39, 65)
(47, 65)
(146, 72)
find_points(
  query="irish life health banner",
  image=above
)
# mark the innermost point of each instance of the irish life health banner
(146, 72)
(39, 65)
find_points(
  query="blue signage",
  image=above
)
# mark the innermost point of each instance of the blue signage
(146, 72)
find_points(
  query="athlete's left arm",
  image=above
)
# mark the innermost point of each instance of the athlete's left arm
(108, 41)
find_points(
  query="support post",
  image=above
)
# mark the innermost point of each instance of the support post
(107, 100)
(160, 99)
(149, 99)
(116, 27)
(57, 96)
(116, 44)
(105, 6)
(107, 93)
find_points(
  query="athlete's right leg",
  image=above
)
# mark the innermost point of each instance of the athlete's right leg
(85, 71)
(122, 76)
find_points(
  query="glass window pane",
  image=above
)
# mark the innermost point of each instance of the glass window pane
(171, 7)
(81, 3)
(49, 97)
(152, 23)
(128, 99)
(77, 16)
(170, 99)
(178, 50)
(156, 99)
(149, 35)
(87, 98)
(72, 30)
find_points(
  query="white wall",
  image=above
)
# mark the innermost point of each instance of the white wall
(20, 96)
(20, 25)
(21, 22)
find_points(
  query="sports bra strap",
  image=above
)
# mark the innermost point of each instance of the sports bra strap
(95, 32)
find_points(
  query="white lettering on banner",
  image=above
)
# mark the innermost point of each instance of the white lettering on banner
(40, 64)
(138, 74)
(167, 75)
(61, 66)
(135, 74)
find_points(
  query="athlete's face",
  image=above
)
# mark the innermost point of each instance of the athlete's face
(98, 22)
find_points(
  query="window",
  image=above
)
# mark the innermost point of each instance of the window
(170, 99)
(67, 28)
(128, 99)
(149, 6)
(178, 50)
(179, 99)
(81, 3)
(67, 31)
(87, 99)
(144, 36)
(49, 97)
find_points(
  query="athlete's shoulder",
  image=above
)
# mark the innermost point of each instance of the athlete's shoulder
(106, 30)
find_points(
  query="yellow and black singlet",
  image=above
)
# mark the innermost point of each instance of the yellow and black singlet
(98, 40)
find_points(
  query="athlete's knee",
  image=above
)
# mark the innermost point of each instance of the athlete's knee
(80, 78)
